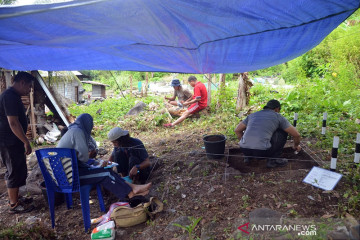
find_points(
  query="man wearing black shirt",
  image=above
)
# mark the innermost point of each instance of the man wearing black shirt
(130, 154)
(13, 142)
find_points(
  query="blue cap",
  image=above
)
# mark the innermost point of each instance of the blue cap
(175, 83)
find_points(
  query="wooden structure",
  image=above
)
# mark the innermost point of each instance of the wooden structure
(66, 83)
(98, 89)
(35, 102)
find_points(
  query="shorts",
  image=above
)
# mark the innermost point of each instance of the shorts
(194, 108)
(14, 160)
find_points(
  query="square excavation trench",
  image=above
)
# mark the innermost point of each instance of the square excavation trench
(295, 161)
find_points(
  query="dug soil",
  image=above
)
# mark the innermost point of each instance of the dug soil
(221, 192)
(297, 161)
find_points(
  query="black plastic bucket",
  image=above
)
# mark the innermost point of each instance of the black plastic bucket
(214, 146)
(59, 197)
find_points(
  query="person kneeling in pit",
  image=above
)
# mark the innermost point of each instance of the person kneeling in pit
(130, 154)
(264, 134)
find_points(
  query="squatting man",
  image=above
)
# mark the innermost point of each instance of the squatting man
(264, 134)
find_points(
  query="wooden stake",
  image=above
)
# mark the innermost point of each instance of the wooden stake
(295, 119)
(32, 119)
(357, 149)
(334, 153)
(323, 129)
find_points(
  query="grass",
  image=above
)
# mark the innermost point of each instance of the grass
(306, 101)
(31, 232)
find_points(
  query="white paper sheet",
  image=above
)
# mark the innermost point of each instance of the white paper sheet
(322, 178)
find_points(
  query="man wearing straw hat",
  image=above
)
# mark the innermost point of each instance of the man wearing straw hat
(264, 134)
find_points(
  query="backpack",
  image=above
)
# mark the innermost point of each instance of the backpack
(125, 216)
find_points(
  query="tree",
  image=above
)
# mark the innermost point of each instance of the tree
(221, 90)
(7, 2)
(243, 96)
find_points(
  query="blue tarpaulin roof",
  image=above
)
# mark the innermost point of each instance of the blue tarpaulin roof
(197, 36)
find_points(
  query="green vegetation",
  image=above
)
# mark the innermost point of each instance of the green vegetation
(22, 231)
(191, 227)
(7, 2)
(120, 80)
(325, 79)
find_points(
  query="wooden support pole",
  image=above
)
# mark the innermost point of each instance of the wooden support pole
(209, 90)
(7, 74)
(32, 118)
(146, 83)
(221, 89)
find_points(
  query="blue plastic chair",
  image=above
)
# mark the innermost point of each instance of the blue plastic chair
(59, 167)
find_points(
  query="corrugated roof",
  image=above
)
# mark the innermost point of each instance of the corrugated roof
(95, 83)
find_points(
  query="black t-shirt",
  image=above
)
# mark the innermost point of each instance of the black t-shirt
(130, 156)
(11, 105)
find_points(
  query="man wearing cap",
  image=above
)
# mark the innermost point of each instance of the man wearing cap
(130, 154)
(197, 103)
(181, 94)
(264, 134)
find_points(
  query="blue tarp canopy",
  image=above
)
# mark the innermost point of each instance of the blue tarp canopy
(190, 36)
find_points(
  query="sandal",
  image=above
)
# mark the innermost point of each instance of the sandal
(25, 200)
(20, 207)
